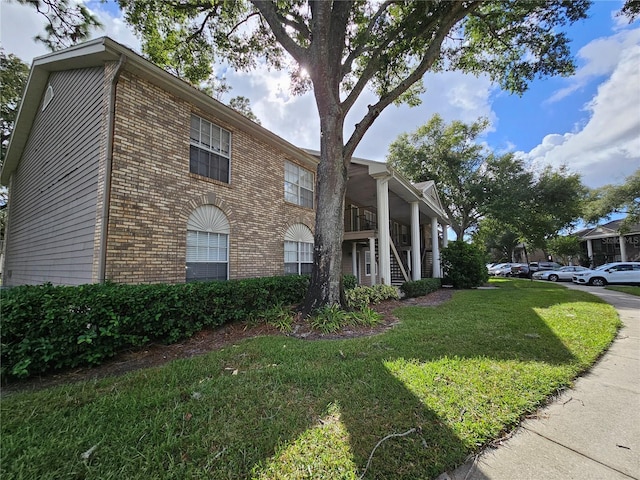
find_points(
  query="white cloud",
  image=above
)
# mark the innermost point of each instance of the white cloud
(607, 148)
(453, 95)
(600, 57)
(19, 24)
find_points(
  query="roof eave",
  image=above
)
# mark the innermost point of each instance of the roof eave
(97, 52)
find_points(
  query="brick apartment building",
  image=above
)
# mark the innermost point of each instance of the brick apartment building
(119, 171)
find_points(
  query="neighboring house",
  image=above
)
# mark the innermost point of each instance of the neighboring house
(119, 171)
(604, 243)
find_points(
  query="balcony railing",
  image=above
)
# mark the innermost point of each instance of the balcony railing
(355, 221)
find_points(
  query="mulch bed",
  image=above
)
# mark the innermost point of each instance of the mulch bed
(215, 339)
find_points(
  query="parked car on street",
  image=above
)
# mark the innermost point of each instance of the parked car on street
(561, 274)
(540, 266)
(501, 270)
(616, 273)
(520, 270)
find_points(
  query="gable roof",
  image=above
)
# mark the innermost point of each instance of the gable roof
(609, 229)
(96, 53)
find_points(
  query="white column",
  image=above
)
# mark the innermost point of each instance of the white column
(354, 260)
(435, 248)
(416, 272)
(384, 246)
(590, 252)
(445, 235)
(623, 249)
(372, 250)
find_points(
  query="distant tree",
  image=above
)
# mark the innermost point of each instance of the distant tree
(539, 207)
(345, 47)
(13, 78)
(243, 105)
(565, 248)
(497, 239)
(449, 155)
(611, 199)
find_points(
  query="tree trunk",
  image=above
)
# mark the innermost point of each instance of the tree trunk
(326, 278)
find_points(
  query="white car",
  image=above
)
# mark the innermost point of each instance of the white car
(617, 272)
(501, 270)
(560, 274)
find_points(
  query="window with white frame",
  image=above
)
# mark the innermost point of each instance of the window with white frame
(298, 185)
(367, 263)
(298, 250)
(210, 152)
(207, 245)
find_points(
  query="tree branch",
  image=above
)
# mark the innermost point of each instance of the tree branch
(268, 11)
(458, 12)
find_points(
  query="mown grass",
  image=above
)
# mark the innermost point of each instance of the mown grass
(282, 408)
(631, 290)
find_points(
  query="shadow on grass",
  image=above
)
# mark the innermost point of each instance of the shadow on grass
(278, 407)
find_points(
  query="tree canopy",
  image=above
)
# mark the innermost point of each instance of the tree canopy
(616, 199)
(13, 78)
(67, 22)
(345, 47)
(449, 155)
(538, 206)
(475, 183)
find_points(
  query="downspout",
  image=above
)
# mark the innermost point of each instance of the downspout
(102, 266)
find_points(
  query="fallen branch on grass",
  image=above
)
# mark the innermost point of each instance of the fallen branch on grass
(408, 432)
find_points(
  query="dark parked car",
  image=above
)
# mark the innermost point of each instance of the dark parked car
(540, 266)
(521, 270)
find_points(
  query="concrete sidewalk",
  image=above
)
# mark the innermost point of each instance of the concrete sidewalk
(589, 432)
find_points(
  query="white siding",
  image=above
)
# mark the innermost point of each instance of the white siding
(54, 190)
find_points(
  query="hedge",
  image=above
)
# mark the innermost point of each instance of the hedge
(419, 288)
(45, 327)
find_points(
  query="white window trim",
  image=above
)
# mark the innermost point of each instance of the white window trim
(211, 220)
(48, 96)
(298, 170)
(372, 265)
(298, 234)
(206, 148)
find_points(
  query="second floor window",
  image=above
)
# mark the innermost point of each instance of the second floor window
(298, 185)
(210, 152)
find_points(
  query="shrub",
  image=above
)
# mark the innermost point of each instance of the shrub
(418, 288)
(366, 316)
(383, 292)
(349, 281)
(46, 327)
(329, 319)
(464, 265)
(361, 296)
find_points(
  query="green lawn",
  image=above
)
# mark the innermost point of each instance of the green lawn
(283, 408)
(631, 290)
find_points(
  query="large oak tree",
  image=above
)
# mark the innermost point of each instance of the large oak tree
(345, 47)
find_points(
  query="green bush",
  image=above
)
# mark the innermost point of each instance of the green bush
(349, 281)
(45, 328)
(418, 288)
(464, 265)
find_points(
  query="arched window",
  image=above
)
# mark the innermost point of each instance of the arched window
(298, 249)
(207, 244)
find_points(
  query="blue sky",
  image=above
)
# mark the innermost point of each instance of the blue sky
(590, 121)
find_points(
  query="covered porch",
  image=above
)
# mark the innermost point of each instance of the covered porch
(393, 230)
